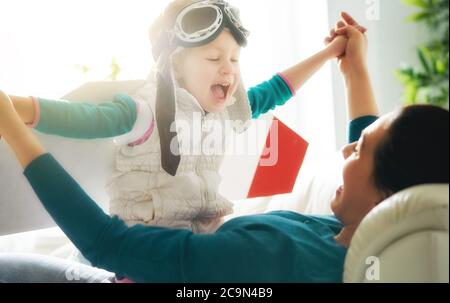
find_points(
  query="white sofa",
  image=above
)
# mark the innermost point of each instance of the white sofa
(405, 239)
(408, 236)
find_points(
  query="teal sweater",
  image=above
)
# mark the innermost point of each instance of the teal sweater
(275, 247)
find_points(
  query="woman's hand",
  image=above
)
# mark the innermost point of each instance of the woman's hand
(6, 107)
(354, 58)
(21, 140)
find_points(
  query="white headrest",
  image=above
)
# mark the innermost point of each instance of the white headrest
(414, 210)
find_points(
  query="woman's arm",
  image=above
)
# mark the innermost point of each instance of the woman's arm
(353, 64)
(25, 108)
(360, 97)
(23, 143)
(103, 240)
(362, 109)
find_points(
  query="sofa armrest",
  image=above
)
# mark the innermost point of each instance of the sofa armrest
(404, 239)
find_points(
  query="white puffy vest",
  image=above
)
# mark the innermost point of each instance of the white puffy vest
(141, 192)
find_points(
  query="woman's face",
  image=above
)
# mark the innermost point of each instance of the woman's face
(211, 72)
(358, 195)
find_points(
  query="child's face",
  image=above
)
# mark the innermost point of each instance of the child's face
(211, 72)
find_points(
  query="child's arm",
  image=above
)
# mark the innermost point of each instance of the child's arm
(282, 87)
(123, 118)
(302, 72)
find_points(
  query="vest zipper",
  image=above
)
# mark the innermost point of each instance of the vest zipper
(202, 185)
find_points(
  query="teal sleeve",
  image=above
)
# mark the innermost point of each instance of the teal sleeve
(242, 250)
(357, 126)
(87, 120)
(268, 95)
(106, 242)
(140, 253)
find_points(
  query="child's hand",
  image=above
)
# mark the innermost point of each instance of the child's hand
(336, 47)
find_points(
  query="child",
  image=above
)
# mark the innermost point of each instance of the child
(158, 180)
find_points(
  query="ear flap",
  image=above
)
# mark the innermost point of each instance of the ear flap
(165, 116)
(177, 58)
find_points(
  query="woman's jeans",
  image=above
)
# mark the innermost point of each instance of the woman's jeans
(27, 268)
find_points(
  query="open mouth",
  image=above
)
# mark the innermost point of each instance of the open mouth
(220, 91)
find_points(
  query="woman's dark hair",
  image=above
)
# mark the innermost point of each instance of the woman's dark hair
(414, 151)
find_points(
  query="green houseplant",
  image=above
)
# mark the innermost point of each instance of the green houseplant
(428, 84)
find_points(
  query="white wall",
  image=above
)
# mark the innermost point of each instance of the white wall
(392, 41)
(283, 33)
(299, 33)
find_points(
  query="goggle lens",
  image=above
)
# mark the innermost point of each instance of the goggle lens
(198, 20)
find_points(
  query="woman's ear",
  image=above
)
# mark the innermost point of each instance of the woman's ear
(384, 194)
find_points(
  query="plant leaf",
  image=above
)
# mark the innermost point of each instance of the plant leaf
(410, 94)
(417, 3)
(423, 60)
(419, 16)
(440, 67)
